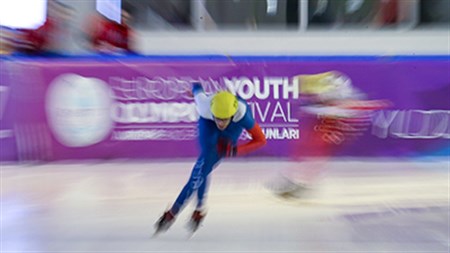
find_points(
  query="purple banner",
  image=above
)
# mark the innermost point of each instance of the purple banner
(139, 108)
(8, 150)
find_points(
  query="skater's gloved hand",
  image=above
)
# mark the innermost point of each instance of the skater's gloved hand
(226, 148)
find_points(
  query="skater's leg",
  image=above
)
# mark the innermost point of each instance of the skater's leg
(201, 193)
(302, 174)
(197, 180)
(193, 183)
(208, 136)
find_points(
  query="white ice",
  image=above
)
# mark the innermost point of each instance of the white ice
(358, 206)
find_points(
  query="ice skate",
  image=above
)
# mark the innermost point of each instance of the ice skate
(164, 223)
(287, 188)
(298, 191)
(280, 185)
(195, 221)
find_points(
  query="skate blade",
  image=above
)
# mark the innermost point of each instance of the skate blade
(160, 230)
(191, 233)
(192, 229)
(157, 232)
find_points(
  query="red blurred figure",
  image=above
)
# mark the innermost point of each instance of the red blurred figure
(336, 113)
(110, 37)
(48, 39)
(389, 11)
(34, 41)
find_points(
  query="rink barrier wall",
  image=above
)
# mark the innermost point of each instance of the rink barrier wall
(65, 108)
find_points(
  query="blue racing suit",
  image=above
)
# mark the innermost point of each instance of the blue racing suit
(209, 138)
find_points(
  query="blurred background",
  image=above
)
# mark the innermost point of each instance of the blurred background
(232, 26)
(98, 133)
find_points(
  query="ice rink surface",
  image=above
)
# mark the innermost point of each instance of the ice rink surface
(358, 206)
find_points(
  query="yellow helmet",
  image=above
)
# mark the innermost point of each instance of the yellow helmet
(224, 105)
(316, 83)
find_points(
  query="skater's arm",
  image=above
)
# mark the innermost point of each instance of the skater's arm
(202, 101)
(258, 141)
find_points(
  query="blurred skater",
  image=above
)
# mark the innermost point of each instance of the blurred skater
(223, 117)
(336, 113)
